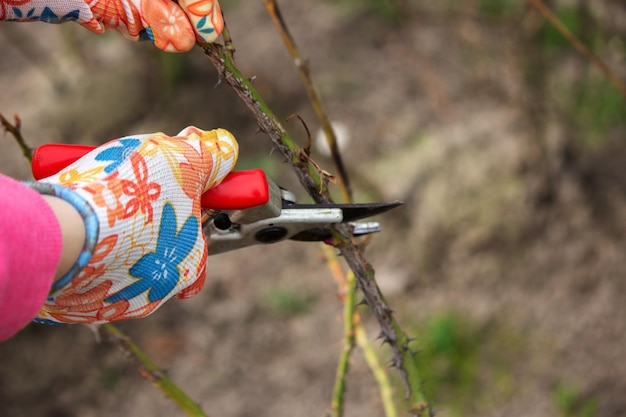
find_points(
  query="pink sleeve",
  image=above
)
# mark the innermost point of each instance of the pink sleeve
(30, 250)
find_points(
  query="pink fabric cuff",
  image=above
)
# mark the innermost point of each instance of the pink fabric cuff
(30, 250)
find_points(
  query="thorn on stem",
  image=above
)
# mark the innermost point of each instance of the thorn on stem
(396, 362)
(385, 337)
(418, 408)
(406, 347)
(219, 81)
(362, 302)
(387, 309)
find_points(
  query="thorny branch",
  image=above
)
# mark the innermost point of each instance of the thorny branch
(391, 333)
(149, 370)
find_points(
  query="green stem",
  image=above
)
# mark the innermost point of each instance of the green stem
(150, 371)
(348, 345)
(380, 373)
(351, 320)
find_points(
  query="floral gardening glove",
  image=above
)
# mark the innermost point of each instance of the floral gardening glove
(172, 27)
(140, 198)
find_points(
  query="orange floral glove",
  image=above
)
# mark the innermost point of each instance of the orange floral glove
(140, 198)
(172, 27)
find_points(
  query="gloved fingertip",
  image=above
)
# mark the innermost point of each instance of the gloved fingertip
(184, 47)
(206, 18)
(94, 26)
(220, 141)
(222, 146)
(227, 140)
(167, 26)
(182, 43)
(226, 154)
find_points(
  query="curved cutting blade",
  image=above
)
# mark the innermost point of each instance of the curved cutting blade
(351, 212)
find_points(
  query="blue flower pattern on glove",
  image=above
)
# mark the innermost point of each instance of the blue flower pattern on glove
(200, 27)
(157, 272)
(47, 15)
(118, 154)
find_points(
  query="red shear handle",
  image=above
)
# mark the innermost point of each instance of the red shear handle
(50, 159)
(238, 191)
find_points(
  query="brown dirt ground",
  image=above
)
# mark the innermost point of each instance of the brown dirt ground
(438, 115)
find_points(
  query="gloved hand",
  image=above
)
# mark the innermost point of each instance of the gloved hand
(172, 27)
(140, 199)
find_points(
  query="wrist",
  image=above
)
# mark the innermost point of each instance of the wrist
(72, 233)
(79, 227)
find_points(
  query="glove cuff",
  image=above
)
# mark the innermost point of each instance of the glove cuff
(90, 220)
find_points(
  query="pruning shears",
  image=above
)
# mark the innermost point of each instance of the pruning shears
(246, 208)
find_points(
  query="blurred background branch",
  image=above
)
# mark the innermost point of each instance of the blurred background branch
(576, 43)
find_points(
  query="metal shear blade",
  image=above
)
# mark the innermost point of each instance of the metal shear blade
(301, 222)
(350, 212)
(320, 234)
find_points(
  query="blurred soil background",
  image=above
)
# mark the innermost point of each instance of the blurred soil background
(506, 263)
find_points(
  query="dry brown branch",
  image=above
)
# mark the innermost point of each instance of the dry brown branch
(15, 130)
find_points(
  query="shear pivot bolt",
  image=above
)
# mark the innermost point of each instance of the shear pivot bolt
(222, 222)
